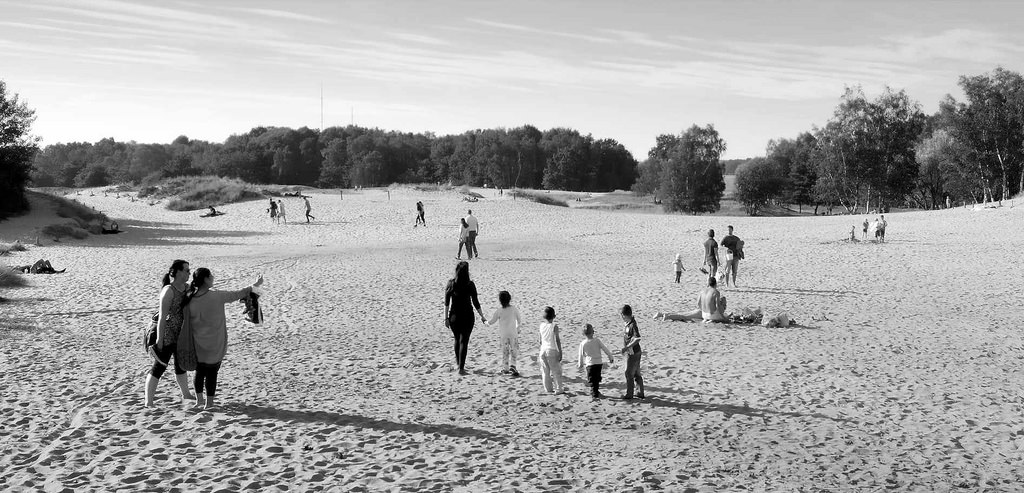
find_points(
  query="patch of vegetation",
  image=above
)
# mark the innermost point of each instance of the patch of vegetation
(539, 198)
(10, 279)
(7, 248)
(64, 230)
(199, 192)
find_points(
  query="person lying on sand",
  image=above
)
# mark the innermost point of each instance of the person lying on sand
(40, 267)
(710, 307)
(213, 212)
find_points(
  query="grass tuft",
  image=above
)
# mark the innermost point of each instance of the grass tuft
(539, 198)
(199, 192)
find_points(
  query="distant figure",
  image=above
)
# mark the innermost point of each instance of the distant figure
(631, 350)
(733, 254)
(463, 239)
(508, 320)
(865, 229)
(876, 228)
(460, 299)
(273, 211)
(711, 253)
(589, 355)
(420, 215)
(213, 213)
(280, 211)
(309, 209)
(550, 356)
(678, 264)
(853, 234)
(881, 228)
(474, 229)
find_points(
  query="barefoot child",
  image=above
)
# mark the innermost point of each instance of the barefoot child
(550, 356)
(508, 320)
(590, 355)
(679, 266)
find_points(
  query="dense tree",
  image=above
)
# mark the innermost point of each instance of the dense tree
(17, 149)
(758, 182)
(691, 178)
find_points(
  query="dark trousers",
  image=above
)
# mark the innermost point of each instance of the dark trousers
(464, 243)
(206, 376)
(308, 217)
(165, 355)
(471, 245)
(679, 274)
(633, 375)
(461, 334)
(594, 379)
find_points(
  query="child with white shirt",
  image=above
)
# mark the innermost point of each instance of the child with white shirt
(508, 320)
(678, 264)
(550, 356)
(590, 356)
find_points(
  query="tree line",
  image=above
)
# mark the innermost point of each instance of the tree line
(559, 158)
(885, 152)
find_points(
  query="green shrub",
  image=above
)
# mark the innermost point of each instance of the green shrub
(10, 279)
(539, 198)
(80, 213)
(7, 248)
(215, 191)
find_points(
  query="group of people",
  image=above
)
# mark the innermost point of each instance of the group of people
(191, 328)
(467, 235)
(733, 254)
(461, 301)
(877, 226)
(278, 214)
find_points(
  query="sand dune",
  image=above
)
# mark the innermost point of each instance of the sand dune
(903, 373)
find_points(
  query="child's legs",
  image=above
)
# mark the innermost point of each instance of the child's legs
(210, 370)
(461, 244)
(504, 349)
(632, 372)
(678, 275)
(556, 371)
(545, 371)
(513, 349)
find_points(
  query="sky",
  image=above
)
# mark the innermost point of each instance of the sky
(629, 71)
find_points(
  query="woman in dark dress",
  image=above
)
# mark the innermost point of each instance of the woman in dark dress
(459, 301)
(168, 326)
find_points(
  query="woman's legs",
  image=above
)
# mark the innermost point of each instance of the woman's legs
(157, 371)
(461, 244)
(464, 346)
(206, 380)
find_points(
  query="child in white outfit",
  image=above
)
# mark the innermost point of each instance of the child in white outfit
(590, 356)
(507, 318)
(550, 356)
(678, 264)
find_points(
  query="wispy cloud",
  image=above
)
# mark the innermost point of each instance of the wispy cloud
(419, 38)
(283, 14)
(544, 32)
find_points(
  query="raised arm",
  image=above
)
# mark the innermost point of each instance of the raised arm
(579, 355)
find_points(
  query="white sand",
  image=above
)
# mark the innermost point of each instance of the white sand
(912, 382)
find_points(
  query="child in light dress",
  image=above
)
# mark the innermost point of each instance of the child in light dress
(550, 356)
(678, 264)
(508, 320)
(590, 356)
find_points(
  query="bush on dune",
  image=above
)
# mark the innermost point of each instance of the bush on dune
(200, 192)
(64, 230)
(539, 198)
(7, 248)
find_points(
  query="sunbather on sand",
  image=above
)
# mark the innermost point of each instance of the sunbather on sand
(710, 306)
(40, 267)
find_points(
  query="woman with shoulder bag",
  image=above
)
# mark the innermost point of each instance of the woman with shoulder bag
(205, 334)
(168, 327)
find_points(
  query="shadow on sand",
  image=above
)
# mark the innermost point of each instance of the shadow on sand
(146, 233)
(332, 418)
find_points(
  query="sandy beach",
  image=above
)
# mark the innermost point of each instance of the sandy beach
(904, 371)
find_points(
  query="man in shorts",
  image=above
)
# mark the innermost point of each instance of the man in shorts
(711, 253)
(733, 253)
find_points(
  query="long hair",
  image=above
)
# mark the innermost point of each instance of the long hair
(199, 278)
(464, 223)
(176, 267)
(461, 279)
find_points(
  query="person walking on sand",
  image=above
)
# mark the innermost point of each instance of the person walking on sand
(865, 229)
(420, 215)
(550, 356)
(280, 211)
(474, 230)
(678, 265)
(508, 320)
(881, 228)
(309, 209)
(590, 356)
(168, 326)
(273, 212)
(631, 350)
(464, 239)
(206, 330)
(460, 299)
(711, 253)
(733, 254)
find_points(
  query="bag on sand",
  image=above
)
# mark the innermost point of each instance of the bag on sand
(780, 319)
(186, 355)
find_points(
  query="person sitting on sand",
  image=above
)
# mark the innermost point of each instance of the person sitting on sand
(213, 213)
(710, 307)
(208, 329)
(40, 267)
